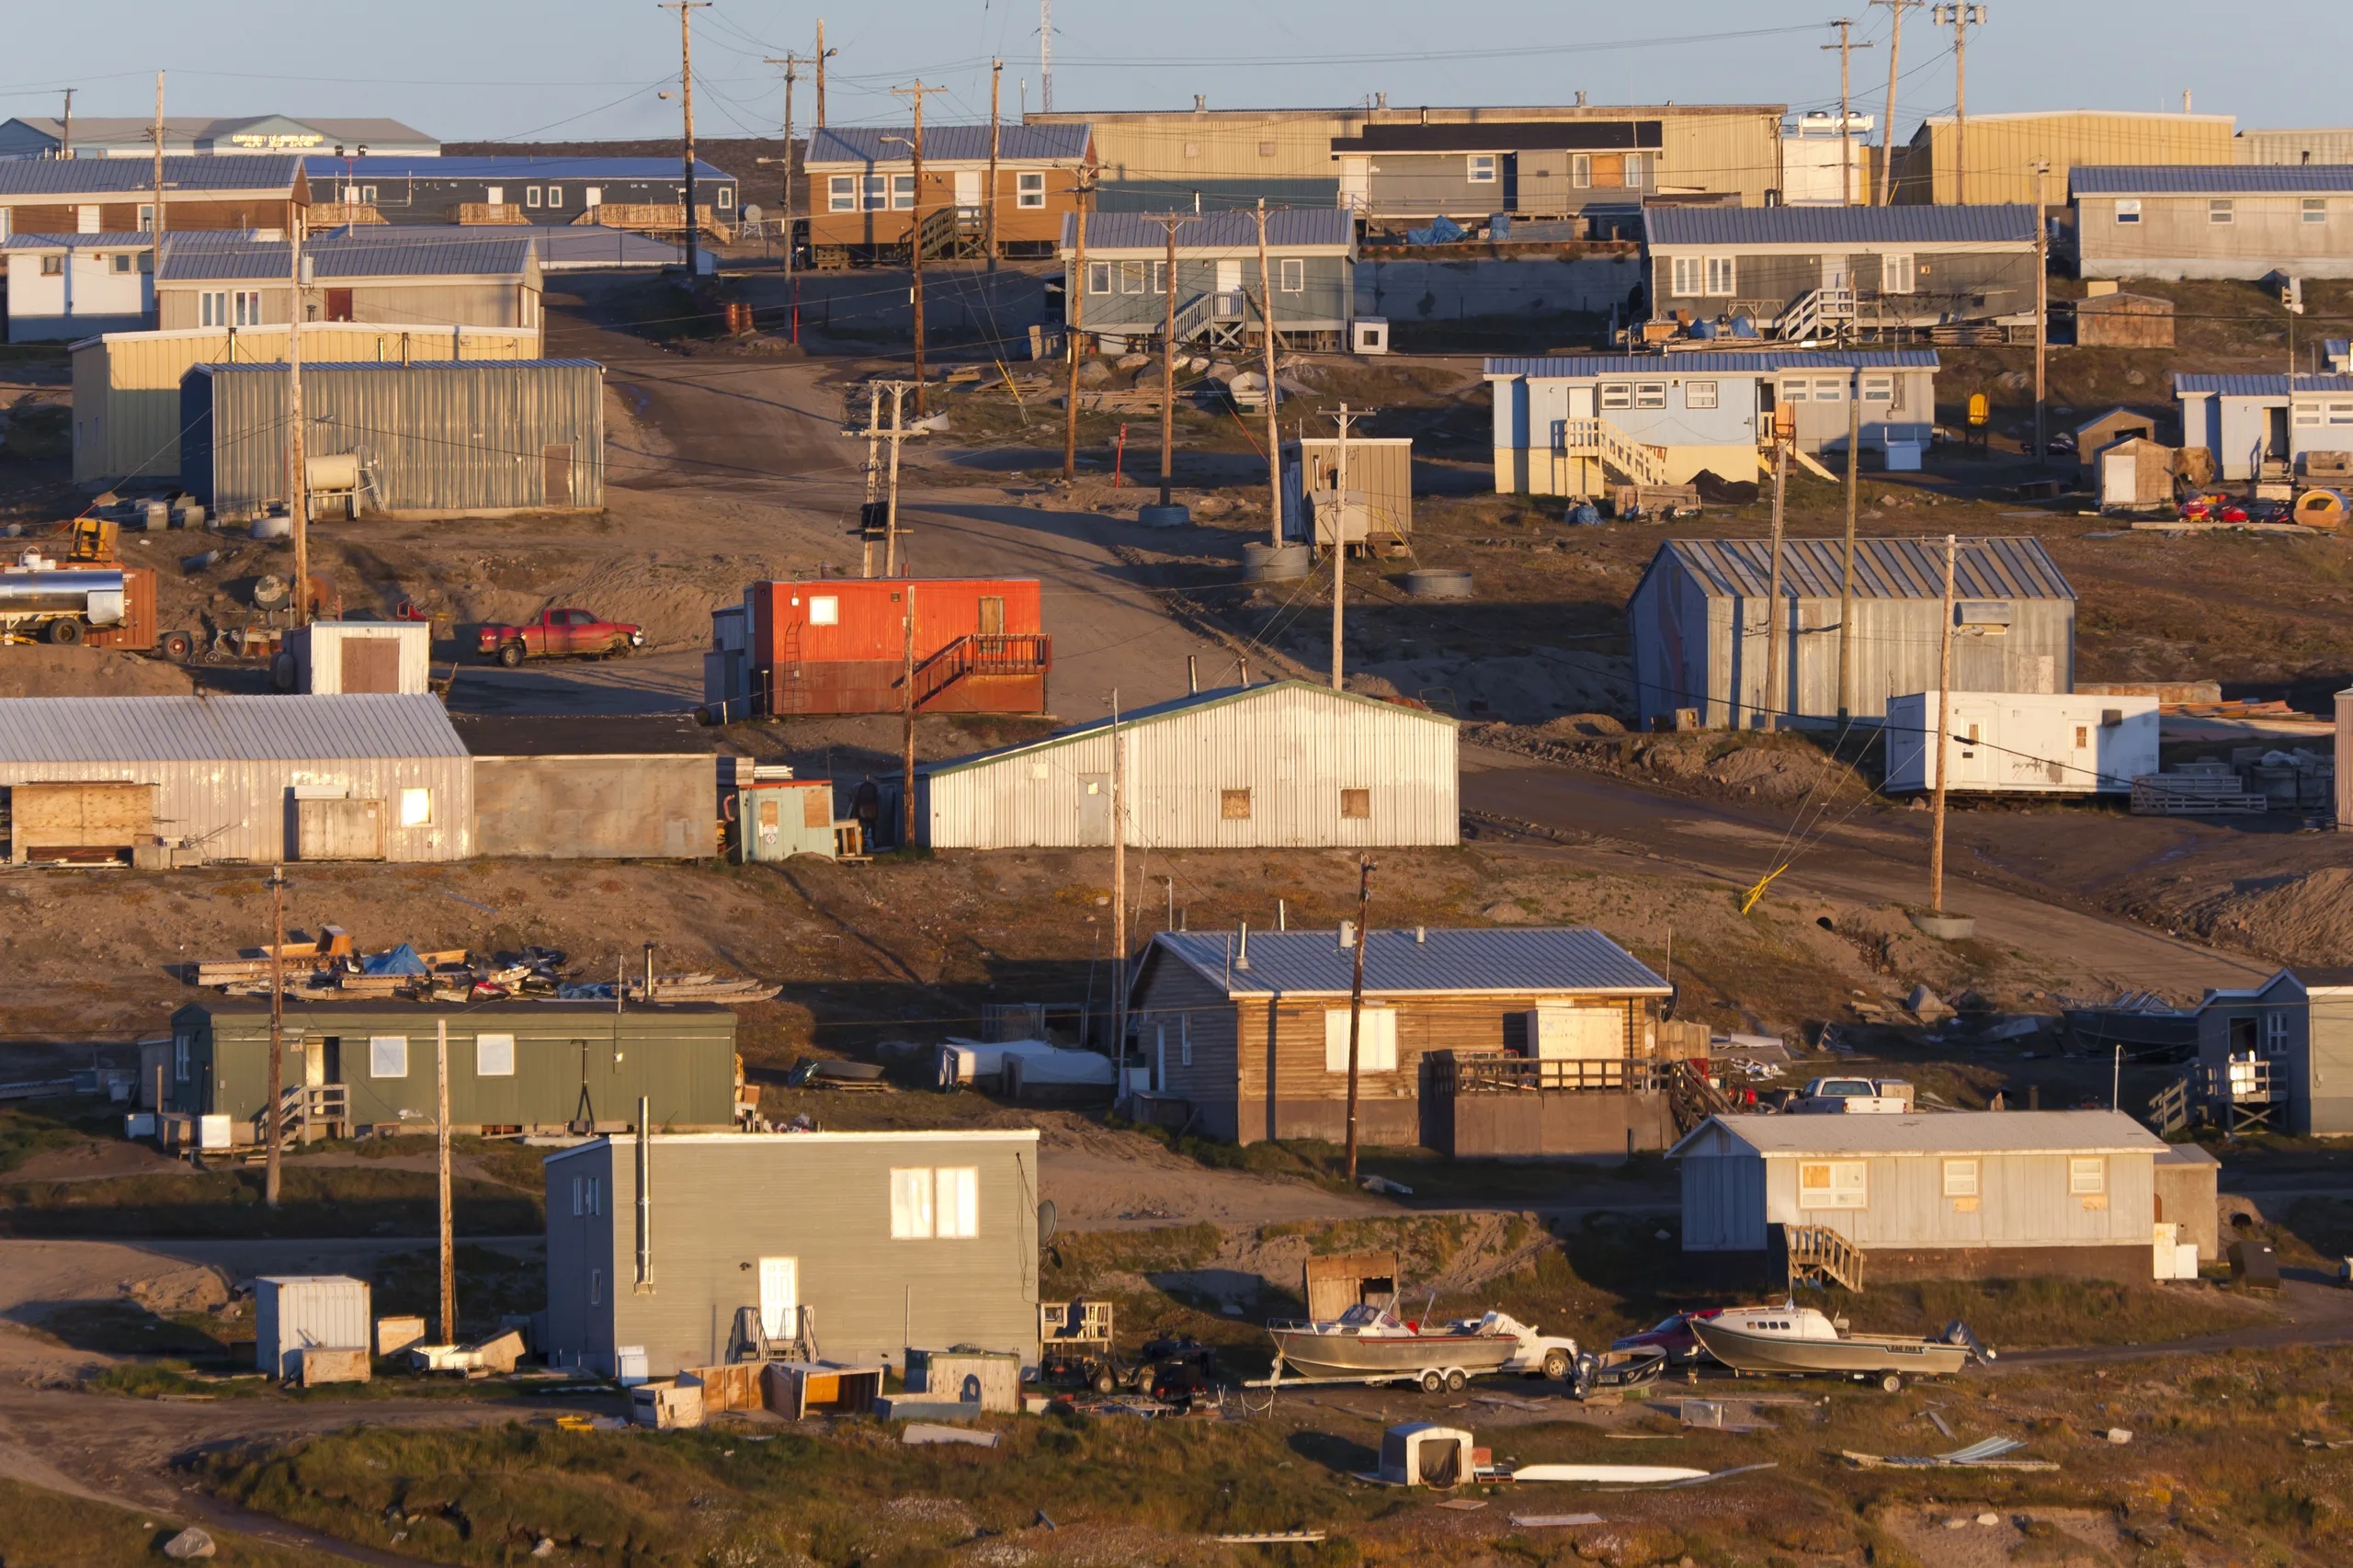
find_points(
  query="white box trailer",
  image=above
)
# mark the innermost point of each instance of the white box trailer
(2023, 743)
(350, 657)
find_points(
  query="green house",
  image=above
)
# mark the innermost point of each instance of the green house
(514, 1066)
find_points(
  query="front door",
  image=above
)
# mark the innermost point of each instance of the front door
(1835, 274)
(992, 616)
(1973, 725)
(315, 1063)
(968, 189)
(779, 1297)
(1510, 182)
(1095, 808)
(1581, 401)
(1229, 284)
(2275, 444)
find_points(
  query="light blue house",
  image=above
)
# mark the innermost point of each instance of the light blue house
(2247, 421)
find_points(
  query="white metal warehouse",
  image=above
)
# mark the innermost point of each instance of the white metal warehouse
(254, 778)
(1288, 765)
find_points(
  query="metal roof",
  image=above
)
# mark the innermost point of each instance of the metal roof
(1708, 363)
(223, 729)
(2258, 386)
(422, 165)
(1590, 134)
(1288, 228)
(372, 251)
(93, 130)
(1884, 568)
(1060, 144)
(1735, 226)
(1951, 1132)
(278, 367)
(1507, 959)
(2211, 179)
(1174, 708)
(94, 177)
(114, 238)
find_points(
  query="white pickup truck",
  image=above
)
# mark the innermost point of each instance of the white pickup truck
(1855, 1096)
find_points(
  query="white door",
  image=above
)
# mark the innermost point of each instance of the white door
(968, 189)
(1834, 274)
(2119, 479)
(1972, 727)
(1228, 276)
(1581, 401)
(779, 1297)
(495, 195)
(86, 220)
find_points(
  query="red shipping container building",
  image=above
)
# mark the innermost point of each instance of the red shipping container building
(838, 645)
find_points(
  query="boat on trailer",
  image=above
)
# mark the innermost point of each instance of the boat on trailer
(1371, 1344)
(1793, 1341)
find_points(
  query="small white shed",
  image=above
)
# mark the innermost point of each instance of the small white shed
(2023, 743)
(338, 657)
(300, 1311)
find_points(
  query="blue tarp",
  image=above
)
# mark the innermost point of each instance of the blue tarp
(1442, 232)
(401, 959)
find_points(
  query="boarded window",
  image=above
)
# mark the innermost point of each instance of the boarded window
(494, 1056)
(1832, 1184)
(1355, 805)
(957, 1188)
(1234, 805)
(388, 1056)
(2087, 1176)
(1961, 1179)
(910, 1205)
(1376, 1039)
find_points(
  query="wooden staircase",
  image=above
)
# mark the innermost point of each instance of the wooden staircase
(1690, 1097)
(1634, 462)
(1820, 1255)
(2170, 1106)
(950, 234)
(1010, 653)
(1817, 312)
(307, 1112)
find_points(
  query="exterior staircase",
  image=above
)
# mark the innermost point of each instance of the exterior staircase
(1690, 1097)
(2170, 1106)
(952, 233)
(307, 1112)
(1820, 312)
(1820, 1255)
(1010, 653)
(1634, 462)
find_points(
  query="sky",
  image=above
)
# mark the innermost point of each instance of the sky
(479, 70)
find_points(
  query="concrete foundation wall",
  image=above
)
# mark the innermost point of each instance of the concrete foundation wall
(1390, 1122)
(2125, 1264)
(1564, 1125)
(596, 808)
(1499, 286)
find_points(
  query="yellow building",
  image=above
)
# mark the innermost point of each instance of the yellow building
(1992, 157)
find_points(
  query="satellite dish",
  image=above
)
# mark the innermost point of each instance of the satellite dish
(1046, 1217)
(752, 213)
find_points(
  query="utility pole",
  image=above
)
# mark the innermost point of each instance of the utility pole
(791, 64)
(1896, 9)
(2042, 315)
(873, 476)
(1959, 18)
(1118, 894)
(915, 226)
(158, 230)
(1943, 735)
(1339, 535)
(1046, 55)
(891, 506)
(1274, 444)
(298, 510)
(1168, 355)
(686, 8)
(441, 1167)
(1773, 698)
(1846, 563)
(907, 738)
(65, 133)
(996, 83)
(276, 1125)
(1356, 1002)
(1845, 46)
(1074, 311)
(824, 54)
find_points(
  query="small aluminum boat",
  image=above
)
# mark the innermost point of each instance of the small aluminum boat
(1370, 1343)
(1791, 1340)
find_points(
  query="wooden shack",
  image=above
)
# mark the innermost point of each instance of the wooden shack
(1331, 1286)
(2124, 320)
(2135, 472)
(2116, 425)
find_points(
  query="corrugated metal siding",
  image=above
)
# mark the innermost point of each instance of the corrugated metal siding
(2023, 1201)
(436, 436)
(191, 174)
(1292, 745)
(2277, 387)
(1723, 1203)
(1288, 228)
(2323, 145)
(2327, 1089)
(1993, 568)
(2003, 150)
(318, 651)
(293, 1312)
(1579, 365)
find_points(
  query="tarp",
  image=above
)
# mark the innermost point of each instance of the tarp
(1443, 230)
(963, 1061)
(401, 959)
(1058, 1069)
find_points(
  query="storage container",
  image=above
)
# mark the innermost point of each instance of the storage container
(839, 645)
(666, 1407)
(294, 1312)
(2024, 743)
(991, 1379)
(334, 657)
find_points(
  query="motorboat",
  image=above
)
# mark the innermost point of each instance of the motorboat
(1371, 1344)
(1791, 1340)
(2145, 1025)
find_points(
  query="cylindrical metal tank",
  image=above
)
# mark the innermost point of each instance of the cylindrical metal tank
(336, 471)
(96, 596)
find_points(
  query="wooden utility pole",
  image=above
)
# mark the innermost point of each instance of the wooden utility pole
(1168, 355)
(882, 476)
(824, 54)
(1119, 893)
(1355, 1003)
(891, 506)
(1847, 563)
(873, 476)
(996, 83)
(915, 226)
(1959, 18)
(907, 738)
(791, 64)
(1274, 441)
(1896, 9)
(1075, 314)
(441, 1166)
(298, 508)
(686, 8)
(2043, 316)
(275, 1128)
(1773, 699)
(1942, 735)
(1339, 537)
(158, 230)
(1845, 46)
(66, 133)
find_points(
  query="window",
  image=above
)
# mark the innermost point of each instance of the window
(2316, 209)
(1234, 805)
(1294, 275)
(595, 1194)
(595, 1286)
(1192, 149)
(1649, 394)
(1830, 388)
(180, 1044)
(2275, 1034)
(903, 191)
(2340, 414)
(1185, 1039)
(494, 1056)
(1479, 168)
(1581, 170)
(495, 195)
(248, 307)
(2128, 210)
(2218, 213)
(1879, 389)
(1099, 277)
(824, 610)
(52, 267)
(1688, 276)
(957, 1192)
(878, 192)
(576, 1209)
(841, 193)
(1159, 278)
(1794, 392)
(1832, 1184)
(1617, 394)
(1030, 192)
(1896, 275)
(1961, 1179)
(1700, 394)
(2087, 1176)
(1265, 149)
(1635, 165)
(1131, 278)
(388, 1056)
(212, 308)
(1720, 275)
(530, 196)
(1356, 805)
(417, 808)
(726, 198)
(910, 1205)
(147, 218)
(1376, 1039)
(2083, 736)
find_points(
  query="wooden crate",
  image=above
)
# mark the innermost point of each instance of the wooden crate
(732, 1387)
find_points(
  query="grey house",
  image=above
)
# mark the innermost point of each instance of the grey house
(864, 1243)
(2286, 1045)
(1538, 169)
(1808, 272)
(2249, 420)
(1699, 618)
(2227, 221)
(1311, 267)
(414, 189)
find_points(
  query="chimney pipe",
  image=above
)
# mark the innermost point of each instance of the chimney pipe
(1242, 948)
(649, 972)
(1420, 936)
(1347, 935)
(1193, 674)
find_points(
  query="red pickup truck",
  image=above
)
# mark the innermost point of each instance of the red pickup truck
(555, 634)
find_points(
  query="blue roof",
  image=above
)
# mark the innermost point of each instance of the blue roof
(1991, 224)
(1507, 960)
(391, 166)
(1059, 144)
(367, 251)
(113, 239)
(2258, 385)
(101, 176)
(1290, 228)
(1765, 360)
(2211, 179)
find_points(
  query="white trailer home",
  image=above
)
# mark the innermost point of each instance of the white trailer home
(2023, 743)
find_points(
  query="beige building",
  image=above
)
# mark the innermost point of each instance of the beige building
(2246, 222)
(1994, 157)
(2317, 145)
(427, 280)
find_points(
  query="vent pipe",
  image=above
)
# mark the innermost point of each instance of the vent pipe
(1242, 948)
(1347, 935)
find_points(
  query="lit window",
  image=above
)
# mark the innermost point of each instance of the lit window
(1617, 394)
(2128, 210)
(1720, 275)
(1234, 805)
(388, 1056)
(1099, 277)
(1832, 1184)
(417, 808)
(1700, 394)
(1376, 1039)
(1480, 168)
(1030, 192)
(903, 191)
(824, 610)
(2218, 213)
(1294, 278)
(1355, 805)
(1649, 394)
(1961, 1179)
(911, 1205)
(2087, 1176)
(841, 194)
(494, 1056)
(1896, 275)
(2316, 209)
(957, 1193)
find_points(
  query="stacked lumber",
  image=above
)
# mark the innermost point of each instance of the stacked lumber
(332, 969)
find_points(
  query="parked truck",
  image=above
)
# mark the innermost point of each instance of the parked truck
(558, 634)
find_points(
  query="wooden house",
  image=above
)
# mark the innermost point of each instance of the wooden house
(864, 203)
(93, 195)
